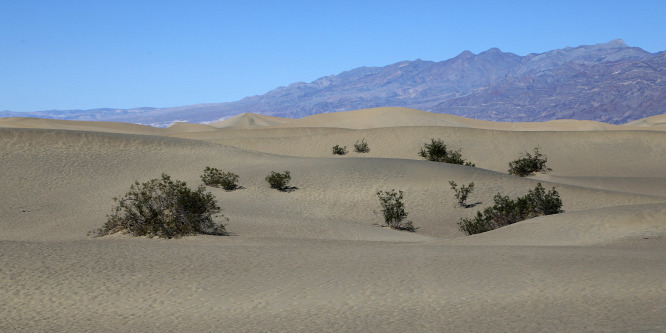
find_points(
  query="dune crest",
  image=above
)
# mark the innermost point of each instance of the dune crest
(249, 121)
(655, 122)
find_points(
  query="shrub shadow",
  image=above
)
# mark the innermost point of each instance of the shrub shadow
(288, 189)
(239, 187)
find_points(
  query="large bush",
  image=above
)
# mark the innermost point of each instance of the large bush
(164, 208)
(529, 164)
(215, 177)
(436, 151)
(506, 211)
(393, 210)
(361, 147)
(278, 180)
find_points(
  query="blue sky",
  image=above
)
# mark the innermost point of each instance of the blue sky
(123, 54)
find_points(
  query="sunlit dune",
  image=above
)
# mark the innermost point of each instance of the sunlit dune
(317, 258)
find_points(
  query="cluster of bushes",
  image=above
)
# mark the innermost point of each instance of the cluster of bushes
(506, 211)
(229, 180)
(526, 165)
(436, 151)
(166, 208)
(359, 147)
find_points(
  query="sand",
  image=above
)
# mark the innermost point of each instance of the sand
(317, 258)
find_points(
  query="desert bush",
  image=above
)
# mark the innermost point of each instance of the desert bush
(337, 150)
(278, 180)
(215, 177)
(529, 165)
(482, 222)
(393, 210)
(361, 147)
(506, 211)
(436, 151)
(545, 203)
(462, 193)
(164, 208)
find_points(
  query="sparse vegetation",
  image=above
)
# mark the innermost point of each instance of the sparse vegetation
(361, 147)
(506, 211)
(278, 180)
(164, 208)
(436, 151)
(394, 210)
(215, 177)
(337, 150)
(529, 165)
(462, 193)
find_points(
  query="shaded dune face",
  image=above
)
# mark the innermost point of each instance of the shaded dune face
(317, 258)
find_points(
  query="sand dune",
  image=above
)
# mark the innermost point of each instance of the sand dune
(399, 117)
(654, 122)
(317, 259)
(94, 126)
(250, 120)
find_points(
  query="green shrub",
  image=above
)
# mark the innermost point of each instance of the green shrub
(529, 165)
(506, 211)
(361, 147)
(545, 203)
(215, 177)
(436, 151)
(278, 180)
(482, 222)
(337, 150)
(164, 208)
(462, 193)
(394, 210)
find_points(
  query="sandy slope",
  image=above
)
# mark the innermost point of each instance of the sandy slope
(316, 259)
(654, 122)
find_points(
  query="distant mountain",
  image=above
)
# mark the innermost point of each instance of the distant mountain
(610, 82)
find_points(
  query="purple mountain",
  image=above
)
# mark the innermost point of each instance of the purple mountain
(610, 82)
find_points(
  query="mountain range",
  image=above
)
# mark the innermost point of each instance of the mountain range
(609, 82)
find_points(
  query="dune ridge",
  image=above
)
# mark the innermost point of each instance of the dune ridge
(317, 258)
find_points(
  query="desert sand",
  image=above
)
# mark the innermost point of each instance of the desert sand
(317, 259)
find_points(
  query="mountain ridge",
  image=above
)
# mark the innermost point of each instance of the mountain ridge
(609, 82)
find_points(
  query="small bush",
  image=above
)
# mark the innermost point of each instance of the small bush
(215, 177)
(462, 193)
(361, 147)
(337, 150)
(506, 211)
(278, 180)
(394, 210)
(164, 208)
(529, 165)
(436, 151)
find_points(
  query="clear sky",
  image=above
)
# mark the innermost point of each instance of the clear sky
(123, 54)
